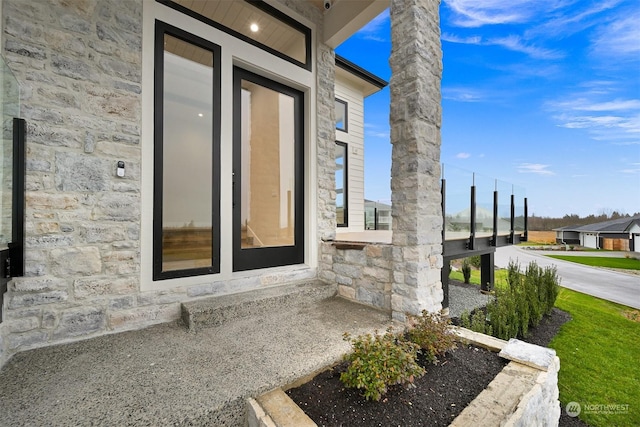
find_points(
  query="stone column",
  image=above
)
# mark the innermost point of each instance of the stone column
(415, 119)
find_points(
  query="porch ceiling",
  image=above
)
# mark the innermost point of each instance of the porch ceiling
(342, 20)
(347, 16)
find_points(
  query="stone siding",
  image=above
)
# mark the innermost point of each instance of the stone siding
(415, 119)
(363, 275)
(78, 64)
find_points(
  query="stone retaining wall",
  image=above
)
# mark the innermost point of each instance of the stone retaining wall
(524, 393)
(526, 389)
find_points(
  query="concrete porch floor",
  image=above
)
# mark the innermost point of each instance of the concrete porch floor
(166, 375)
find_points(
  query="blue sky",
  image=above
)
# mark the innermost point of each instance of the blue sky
(541, 94)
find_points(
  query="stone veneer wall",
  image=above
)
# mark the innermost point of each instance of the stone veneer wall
(415, 119)
(362, 274)
(78, 63)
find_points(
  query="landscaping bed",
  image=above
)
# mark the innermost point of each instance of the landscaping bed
(437, 398)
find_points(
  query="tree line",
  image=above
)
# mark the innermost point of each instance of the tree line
(543, 223)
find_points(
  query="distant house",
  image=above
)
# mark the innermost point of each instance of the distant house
(377, 215)
(617, 234)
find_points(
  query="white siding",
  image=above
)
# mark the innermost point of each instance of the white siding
(354, 137)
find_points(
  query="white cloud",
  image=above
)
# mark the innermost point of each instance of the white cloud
(510, 42)
(565, 22)
(604, 116)
(619, 38)
(536, 168)
(462, 94)
(472, 13)
(452, 38)
(631, 171)
(372, 31)
(463, 155)
(614, 105)
(515, 43)
(373, 130)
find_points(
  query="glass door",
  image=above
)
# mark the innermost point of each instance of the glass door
(268, 216)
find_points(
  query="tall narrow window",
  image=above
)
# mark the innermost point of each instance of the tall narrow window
(342, 212)
(187, 164)
(268, 174)
(341, 115)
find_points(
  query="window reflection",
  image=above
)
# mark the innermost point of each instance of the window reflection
(187, 152)
(268, 167)
(341, 115)
(341, 184)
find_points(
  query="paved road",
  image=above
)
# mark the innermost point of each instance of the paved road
(610, 285)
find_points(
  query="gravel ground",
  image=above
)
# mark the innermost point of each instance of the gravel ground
(465, 297)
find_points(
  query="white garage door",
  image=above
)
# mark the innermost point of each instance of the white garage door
(590, 241)
(636, 242)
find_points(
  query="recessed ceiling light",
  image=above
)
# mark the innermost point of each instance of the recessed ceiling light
(254, 27)
(200, 115)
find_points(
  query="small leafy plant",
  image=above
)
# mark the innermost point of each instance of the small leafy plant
(379, 361)
(466, 270)
(431, 332)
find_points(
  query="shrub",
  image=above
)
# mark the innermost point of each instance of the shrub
(465, 319)
(466, 270)
(551, 288)
(432, 334)
(476, 322)
(479, 323)
(502, 313)
(475, 261)
(379, 361)
(522, 304)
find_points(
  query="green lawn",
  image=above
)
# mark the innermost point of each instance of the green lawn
(500, 276)
(594, 261)
(599, 350)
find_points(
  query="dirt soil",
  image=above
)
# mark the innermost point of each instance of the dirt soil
(548, 237)
(437, 398)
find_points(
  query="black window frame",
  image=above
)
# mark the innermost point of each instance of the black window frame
(345, 185)
(162, 28)
(270, 10)
(346, 115)
(278, 256)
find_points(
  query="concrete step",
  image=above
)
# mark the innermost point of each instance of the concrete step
(218, 310)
